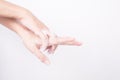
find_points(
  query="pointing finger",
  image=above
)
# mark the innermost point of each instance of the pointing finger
(67, 41)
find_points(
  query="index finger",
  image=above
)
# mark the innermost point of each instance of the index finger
(68, 41)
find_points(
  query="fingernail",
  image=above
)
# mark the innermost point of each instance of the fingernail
(47, 62)
(79, 43)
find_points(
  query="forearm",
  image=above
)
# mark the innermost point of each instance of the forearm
(11, 10)
(14, 26)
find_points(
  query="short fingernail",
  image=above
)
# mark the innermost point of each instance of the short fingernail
(79, 44)
(47, 62)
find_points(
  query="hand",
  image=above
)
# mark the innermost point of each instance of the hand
(32, 41)
(34, 33)
(26, 18)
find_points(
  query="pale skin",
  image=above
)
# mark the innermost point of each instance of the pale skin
(33, 32)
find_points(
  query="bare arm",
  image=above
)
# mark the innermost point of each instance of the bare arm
(11, 10)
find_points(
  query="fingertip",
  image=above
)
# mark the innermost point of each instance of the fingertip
(78, 43)
(44, 59)
(47, 62)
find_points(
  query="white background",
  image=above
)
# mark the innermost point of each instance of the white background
(96, 23)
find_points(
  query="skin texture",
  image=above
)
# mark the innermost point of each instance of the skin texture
(33, 32)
